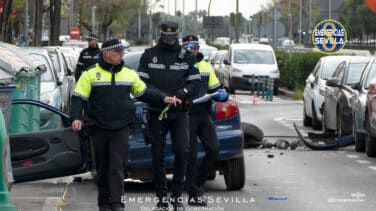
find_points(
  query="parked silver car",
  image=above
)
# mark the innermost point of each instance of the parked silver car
(315, 83)
(337, 113)
(360, 91)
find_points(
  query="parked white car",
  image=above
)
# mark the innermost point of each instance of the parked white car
(359, 97)
(315, 84)
(243, 61)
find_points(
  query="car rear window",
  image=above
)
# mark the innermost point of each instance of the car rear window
(328, 69)
(47, 75)
(251, 56)
(354, 73)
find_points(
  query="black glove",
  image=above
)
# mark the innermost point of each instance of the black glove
(181, 94)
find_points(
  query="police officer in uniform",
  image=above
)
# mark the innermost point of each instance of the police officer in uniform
(201, 125)
(107, 86)
(88, 57)
(170, 69)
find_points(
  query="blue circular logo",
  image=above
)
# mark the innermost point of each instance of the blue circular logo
(329, 36)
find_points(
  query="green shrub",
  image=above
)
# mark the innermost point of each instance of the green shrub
(295, 69)
(298, 94)
(221, 47)
(140, 41)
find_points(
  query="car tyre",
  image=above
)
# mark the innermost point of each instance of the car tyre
(316, 124)
(359, 139)
(253, 135)
(234, 174)
(370, 144)
(307, 121)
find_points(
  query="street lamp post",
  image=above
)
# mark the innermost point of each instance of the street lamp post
(93, 19)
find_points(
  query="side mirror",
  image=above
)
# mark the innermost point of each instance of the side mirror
(59, 83)
(226, 62)
(69, 72)
(356, 86)
(333, 82)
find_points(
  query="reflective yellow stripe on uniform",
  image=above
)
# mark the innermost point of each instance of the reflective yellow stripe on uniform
(100, 77)
(206, 69)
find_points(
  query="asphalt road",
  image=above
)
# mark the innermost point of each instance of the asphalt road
(299, 179)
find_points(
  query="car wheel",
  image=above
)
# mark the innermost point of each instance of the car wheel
(253, 135)
(370, 140)
(316, 124)
(307, 121)
(234, 174)
(359, 140)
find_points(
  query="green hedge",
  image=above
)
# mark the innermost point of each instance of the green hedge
(295, 69)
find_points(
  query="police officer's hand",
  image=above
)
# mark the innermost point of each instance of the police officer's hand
(76, 125)
(172, 100)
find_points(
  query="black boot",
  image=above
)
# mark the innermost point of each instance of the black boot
(104, 208)
(162, 205)
(177, 203)
(117, 209)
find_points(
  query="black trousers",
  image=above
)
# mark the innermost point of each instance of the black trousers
(176, 123)
(200, 125)
(111, 154)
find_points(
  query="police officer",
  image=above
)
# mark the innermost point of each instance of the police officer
(169, 69)
(201, 125)
(88, 57)
(107, 86)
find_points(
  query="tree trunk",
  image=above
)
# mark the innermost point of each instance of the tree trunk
(37, 38)
(55, 6)
(5, 22)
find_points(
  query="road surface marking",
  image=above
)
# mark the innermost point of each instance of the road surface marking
(49, 205)
(372, 167)
(352, 156)
(363, 161)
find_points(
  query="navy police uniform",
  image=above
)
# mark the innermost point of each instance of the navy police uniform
(88, 57)
(170, 70)
(201, 125)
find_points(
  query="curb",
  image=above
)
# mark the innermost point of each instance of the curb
(285, 92)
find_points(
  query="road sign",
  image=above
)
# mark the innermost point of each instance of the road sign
(329, 36)
(75, 32)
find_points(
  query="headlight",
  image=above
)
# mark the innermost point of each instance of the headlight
(274, 71)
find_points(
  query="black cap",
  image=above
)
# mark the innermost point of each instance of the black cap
(92, 37)
(112, 44)
(190, 38)
(169, 26)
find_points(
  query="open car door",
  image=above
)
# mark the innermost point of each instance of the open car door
(49, 148)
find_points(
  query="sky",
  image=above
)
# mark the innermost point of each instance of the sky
(218, 7)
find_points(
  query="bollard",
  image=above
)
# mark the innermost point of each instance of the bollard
(252, 84)
(4, 193)
(270, 89)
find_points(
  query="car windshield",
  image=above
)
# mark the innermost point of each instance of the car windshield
(55, 60)
(354, 73)
(371, 75)
(328, 69)
(207, 52)
(248, 56)
(47, 75)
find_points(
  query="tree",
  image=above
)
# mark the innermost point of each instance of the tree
(55, 15)
(5, 22)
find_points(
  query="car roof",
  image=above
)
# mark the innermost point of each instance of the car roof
(251, 46)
